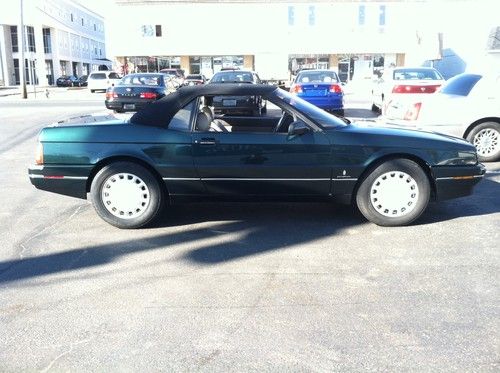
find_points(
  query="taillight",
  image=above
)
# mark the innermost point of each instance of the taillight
(335, 88)
(39, 154)
(148, 95)
(110, 95)
(406, 88)
(413, 111)
(296, 88)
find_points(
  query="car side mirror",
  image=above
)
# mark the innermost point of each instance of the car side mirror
(297, 128)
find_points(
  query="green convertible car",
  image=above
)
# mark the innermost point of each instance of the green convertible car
(176, 150)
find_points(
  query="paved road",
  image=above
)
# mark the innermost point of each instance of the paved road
(239, 287)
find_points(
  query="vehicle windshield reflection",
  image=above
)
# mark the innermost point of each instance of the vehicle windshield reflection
(321, 117)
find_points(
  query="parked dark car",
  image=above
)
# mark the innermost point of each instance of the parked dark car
(254, 105)
(175, 150)
(195, 79)
(321, 88)
(66, 81)
(135, 91)
(81, 81)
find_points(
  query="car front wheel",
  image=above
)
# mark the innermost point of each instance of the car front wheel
(394, 193)
(486, 139)
(126, 195)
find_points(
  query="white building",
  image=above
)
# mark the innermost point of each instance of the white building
(276, 37)
(62, 37)
(357, 38)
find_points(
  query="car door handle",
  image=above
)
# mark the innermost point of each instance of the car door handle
(205, 141)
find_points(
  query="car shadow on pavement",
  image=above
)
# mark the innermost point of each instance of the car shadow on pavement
(239, 229)
(242, 230)
(264, 227)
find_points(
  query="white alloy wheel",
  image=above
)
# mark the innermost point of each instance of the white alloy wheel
(125, 195)
(394, 194)
(487, 142)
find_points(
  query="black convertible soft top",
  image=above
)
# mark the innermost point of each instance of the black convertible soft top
(159, 113)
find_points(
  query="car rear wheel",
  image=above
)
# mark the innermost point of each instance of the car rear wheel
(394, 193)
(126, 195)
(486, 139)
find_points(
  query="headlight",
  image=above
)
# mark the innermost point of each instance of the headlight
(460, 158)
(468, 158)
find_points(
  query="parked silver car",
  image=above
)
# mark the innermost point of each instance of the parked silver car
(467, 106)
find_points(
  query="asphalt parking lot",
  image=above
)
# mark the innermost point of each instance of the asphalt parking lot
(235, 286)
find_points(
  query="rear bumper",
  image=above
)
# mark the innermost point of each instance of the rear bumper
(117, 104)
(62, 179)
(240, 108)
(457, 181)
(325, 102)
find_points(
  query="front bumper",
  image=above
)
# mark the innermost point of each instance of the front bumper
(457, 181)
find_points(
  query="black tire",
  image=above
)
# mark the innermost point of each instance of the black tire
(92, 90)
(486, 138)
(133, 180)
(397, 177)
(375, 108)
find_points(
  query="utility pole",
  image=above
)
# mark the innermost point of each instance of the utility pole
(24, 92)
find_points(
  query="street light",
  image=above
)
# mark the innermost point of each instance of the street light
(24, 93)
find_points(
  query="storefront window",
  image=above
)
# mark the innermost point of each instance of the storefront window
(297, 62)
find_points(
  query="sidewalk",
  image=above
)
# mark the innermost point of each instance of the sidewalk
(48, 92)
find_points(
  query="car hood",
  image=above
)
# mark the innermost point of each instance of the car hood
(412, 136)
(372, 142)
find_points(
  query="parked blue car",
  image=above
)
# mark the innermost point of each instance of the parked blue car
(321, 88)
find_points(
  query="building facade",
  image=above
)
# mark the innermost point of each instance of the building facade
(62, 37)
(277, 37)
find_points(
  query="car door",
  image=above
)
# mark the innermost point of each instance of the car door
(263, 163)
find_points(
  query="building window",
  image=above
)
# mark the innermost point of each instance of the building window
(158, 30)
(147, 30)
(194, 65)
(72, 17)
(95, 27)
(312, 15)
(47, 45)
(361, 15)
(31, 38)
(291, 15)
(381, 15)
(13, 38)
(83, 22)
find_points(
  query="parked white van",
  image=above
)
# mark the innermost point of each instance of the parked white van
(101, 80)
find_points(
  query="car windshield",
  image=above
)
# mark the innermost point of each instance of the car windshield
(460, 85)
(311, 111)
(317, 77)
(232, 77)
(98, 76)
(416, 74)
(153, 80)
(197, 77)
